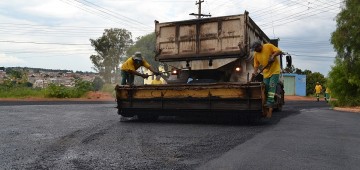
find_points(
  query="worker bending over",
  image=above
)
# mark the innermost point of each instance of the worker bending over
(129, 67)
(266, 56)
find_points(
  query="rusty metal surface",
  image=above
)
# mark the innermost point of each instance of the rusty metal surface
(221, 85)
(207, 37)
(217, 37)
(175, 99)
(225, 90)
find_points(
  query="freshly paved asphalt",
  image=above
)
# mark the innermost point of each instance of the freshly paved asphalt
(88, 135)
(318, 138)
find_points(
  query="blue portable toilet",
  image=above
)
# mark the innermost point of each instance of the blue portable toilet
(294, 84)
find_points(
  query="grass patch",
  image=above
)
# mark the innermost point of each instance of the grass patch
(80, 90)
(109, 88)
(21, 92)
(13, 90)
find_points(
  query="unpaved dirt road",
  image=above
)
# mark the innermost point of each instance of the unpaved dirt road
(89, 135)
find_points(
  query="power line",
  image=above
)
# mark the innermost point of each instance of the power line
(110, 13)
(279, 7)
(294, 17)
(96, 12)
(32, 42)
(313, 56)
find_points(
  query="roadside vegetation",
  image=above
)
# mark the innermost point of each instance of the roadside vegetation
(344, 78)
(20, 91)
(52, 91)
(16, 85)
(108, 88)
(80, 89)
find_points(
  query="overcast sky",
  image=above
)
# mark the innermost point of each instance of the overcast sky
(54, 34)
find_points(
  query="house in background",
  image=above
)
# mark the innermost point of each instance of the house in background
(294, 84)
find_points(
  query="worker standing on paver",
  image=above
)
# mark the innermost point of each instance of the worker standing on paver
(318, 89)
(266, 56)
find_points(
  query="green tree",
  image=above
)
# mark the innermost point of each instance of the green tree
(344, 78)
(110, 47)
(60, 91)
(17, 75)
(298, 71)
(82, 86)
(306, 72)
(14, 74)
(291, 69)
(98, 83)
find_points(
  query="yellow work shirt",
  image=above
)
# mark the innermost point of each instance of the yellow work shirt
(129, 64)
(318, 88)
(156, 82)
(262, 58)
(327, 90)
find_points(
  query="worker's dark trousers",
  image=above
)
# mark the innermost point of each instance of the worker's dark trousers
(317, 96)
(327, 97)
(270, 86)
(127, 78)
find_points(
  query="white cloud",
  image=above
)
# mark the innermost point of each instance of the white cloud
(10, 60)
(52, 8)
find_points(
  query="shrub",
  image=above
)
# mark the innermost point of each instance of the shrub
(80, 89)
(58, 91)
(98, 83)
(83, 86)
(108, 88)
(19, 91)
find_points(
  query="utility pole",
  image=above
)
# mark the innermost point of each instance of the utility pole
(199, 14)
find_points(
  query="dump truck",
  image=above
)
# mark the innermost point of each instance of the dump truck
(211, 64)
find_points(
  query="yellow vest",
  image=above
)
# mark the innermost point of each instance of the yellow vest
(318, 88)
(262, 58)
(327, 90)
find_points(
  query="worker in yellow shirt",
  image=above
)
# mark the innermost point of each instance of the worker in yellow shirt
(327, 94)
(318, 89)
(266, 56)
(129, 67)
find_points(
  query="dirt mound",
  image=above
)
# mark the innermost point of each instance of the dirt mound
(299, 98)
(348, 109)
(99, 96)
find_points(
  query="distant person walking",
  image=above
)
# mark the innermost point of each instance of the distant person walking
(318, 89)
(327, 95)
